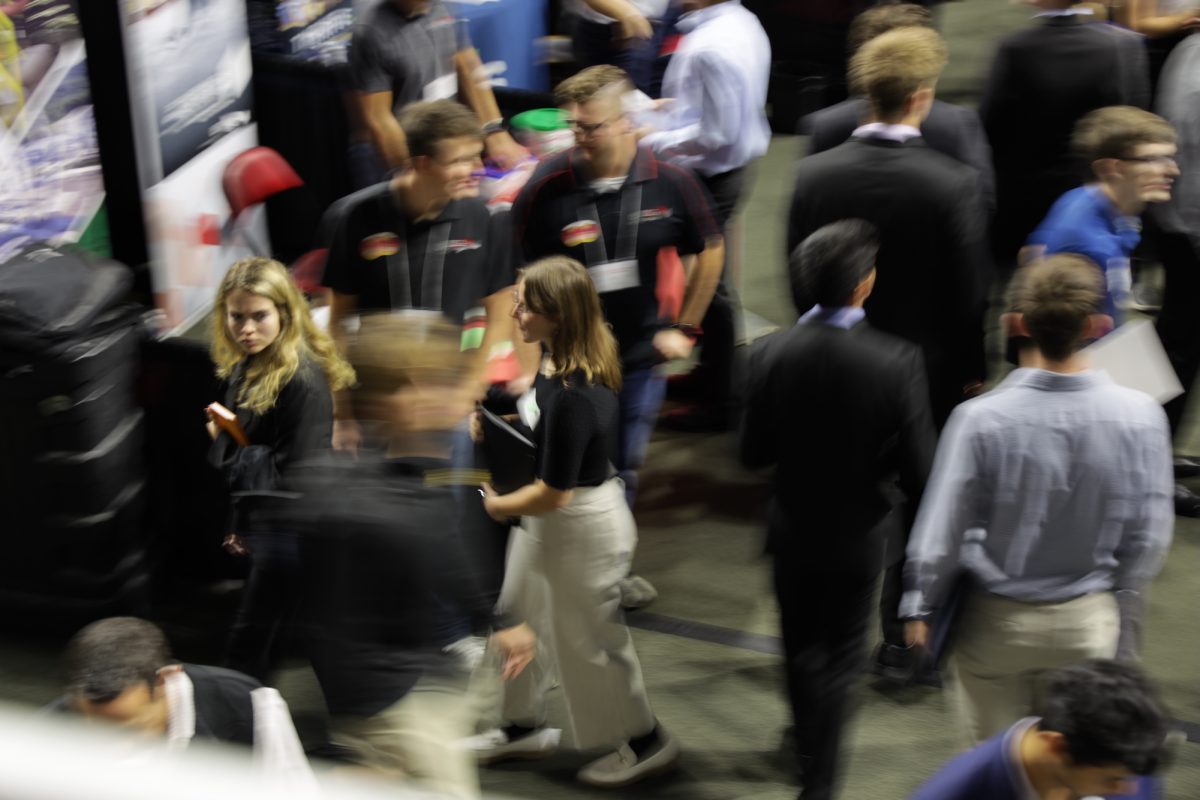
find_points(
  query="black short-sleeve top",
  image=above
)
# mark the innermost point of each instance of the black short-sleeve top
(576, 431)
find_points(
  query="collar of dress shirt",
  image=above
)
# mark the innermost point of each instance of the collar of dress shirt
(1055, 381)
(1065, 12)
(884, 130)
(845, 317)
(694, 19)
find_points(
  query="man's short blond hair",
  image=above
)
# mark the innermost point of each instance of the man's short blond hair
(1115, 131)
(890, 68)
(585, 85)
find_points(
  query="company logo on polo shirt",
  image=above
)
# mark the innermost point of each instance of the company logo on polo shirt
(378, 245)
(582, 232)
(462, 245)
(652, 214)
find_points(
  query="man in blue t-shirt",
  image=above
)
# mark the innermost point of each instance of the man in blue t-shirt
(1132, 156)
(1099, 730)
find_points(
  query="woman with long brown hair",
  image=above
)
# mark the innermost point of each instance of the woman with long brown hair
(577, 536)
(279, 369)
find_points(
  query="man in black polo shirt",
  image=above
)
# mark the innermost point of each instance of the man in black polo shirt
(405, 51)
(613, 206)
(423, 240)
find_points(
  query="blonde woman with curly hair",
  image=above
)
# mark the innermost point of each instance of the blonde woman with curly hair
(577, 540)
(279, 369)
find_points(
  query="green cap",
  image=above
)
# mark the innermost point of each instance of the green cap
(539, 119)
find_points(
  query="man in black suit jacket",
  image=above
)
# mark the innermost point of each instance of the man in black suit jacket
(948, 129)
(838, 408)
(933, 274)
(1043, 80)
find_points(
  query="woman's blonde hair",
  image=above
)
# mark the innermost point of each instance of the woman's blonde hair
(270, 370)
(562, 290)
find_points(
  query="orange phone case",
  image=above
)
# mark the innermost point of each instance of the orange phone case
(227, 421)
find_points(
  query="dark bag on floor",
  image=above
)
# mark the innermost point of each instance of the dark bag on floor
(71, 441)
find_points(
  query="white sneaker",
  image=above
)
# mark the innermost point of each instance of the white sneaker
(493, 746)
(622, 767)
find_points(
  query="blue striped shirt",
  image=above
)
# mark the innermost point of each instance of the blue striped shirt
(1047, 488)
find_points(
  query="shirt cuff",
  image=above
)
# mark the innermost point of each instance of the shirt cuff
(912, 605)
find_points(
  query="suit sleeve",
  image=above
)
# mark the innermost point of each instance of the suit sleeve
(759, 432)
(995, 106)
(1135, 74)
(918, 437)
(977, 153)
(967, 278)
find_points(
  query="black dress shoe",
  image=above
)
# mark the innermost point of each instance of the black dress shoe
(1187, 502)
(895, 664)
(1186, 467)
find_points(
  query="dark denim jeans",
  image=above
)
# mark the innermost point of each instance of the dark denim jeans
(642, 393)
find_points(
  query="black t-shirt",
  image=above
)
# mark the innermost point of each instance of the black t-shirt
(556, 214)
(576, 432)
(411, 57)
(390, 262)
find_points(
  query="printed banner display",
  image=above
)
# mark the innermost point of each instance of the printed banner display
(190, 96)
(51, 185)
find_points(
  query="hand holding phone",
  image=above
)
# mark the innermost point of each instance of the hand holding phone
(227, 421)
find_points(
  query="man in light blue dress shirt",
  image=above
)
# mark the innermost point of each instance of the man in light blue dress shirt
(1048, 507)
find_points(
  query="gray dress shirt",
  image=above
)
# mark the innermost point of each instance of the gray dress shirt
(1049, 487)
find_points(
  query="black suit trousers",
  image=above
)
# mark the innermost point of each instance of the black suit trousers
(720, 321)
(825, 617)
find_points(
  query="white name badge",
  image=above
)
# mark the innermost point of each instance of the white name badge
(527, 409)
(442, 88)
(613, 276)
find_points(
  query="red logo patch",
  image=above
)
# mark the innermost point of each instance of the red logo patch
(378, 245)
(652, 214)
(462, 245)
(583, 232)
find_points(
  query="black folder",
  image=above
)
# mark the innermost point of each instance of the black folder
(509, 454)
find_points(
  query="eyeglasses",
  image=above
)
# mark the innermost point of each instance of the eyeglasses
(518, 306)
(587, 128)
(1161, 161)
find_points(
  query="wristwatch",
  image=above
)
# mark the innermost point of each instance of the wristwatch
(495, 126)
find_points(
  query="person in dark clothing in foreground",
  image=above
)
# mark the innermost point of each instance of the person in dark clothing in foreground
(1098, 730)
(383, 562)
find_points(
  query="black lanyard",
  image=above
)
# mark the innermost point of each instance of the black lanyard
(399, 271)
(627, 227)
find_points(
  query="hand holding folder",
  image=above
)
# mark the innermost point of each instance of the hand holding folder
(510, 455)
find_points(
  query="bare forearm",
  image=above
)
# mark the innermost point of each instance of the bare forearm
(702, 282)
(389, 140)
(617, 9)
(529, 501)
(474, 86)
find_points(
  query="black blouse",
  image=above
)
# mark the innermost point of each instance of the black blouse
(576, 433)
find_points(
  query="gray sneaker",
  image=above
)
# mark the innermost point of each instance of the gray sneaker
(622, 767)
(637, 592)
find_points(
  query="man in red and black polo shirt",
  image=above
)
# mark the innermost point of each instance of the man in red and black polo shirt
(613, 206)
(423, 240)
